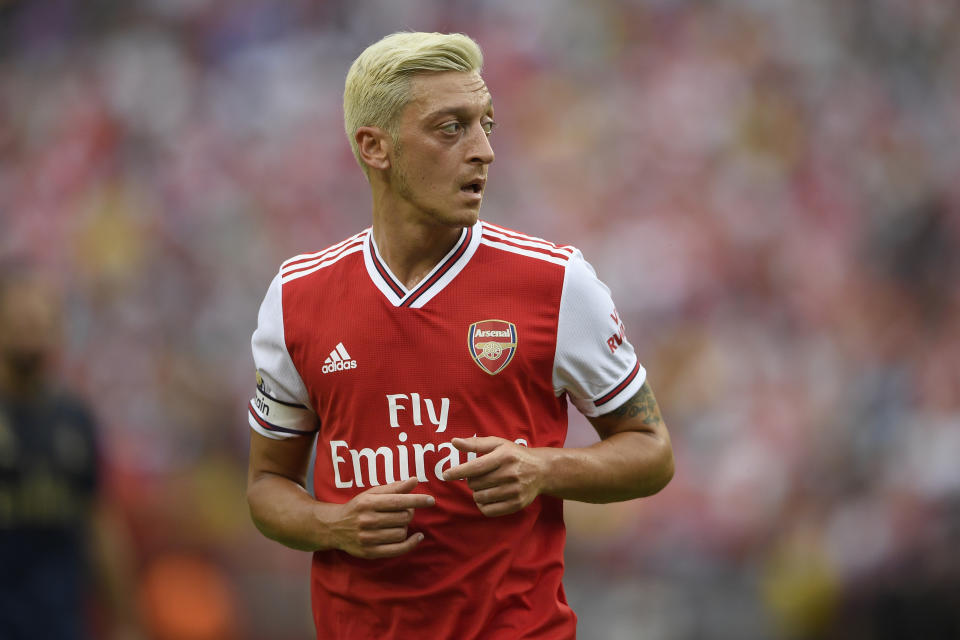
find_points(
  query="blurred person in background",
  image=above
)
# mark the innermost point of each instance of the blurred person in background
(59, 543)
(362, 343)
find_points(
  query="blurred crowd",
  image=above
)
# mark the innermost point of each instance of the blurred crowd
(770, 189)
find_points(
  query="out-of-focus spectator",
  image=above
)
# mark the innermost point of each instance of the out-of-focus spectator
(61, 552)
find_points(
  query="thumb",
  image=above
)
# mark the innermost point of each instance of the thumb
(401, 486)
(477, 445)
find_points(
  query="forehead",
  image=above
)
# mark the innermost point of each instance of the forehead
(432, 92)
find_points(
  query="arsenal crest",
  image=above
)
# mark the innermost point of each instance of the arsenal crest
(492, 344)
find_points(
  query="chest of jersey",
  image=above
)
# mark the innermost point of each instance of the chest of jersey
(392, 385)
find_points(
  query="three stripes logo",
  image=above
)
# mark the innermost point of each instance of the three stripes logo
(339, 360)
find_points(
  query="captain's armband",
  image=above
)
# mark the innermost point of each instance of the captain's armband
(275, 418)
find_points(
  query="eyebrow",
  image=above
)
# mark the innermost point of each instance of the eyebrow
(459, 110)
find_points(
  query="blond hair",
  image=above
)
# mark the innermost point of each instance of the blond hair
(378, 83)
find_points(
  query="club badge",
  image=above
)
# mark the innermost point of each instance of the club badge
(492, 344)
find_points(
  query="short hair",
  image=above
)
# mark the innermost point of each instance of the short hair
(378, 83)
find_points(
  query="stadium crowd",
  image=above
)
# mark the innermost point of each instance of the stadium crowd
(769, 188)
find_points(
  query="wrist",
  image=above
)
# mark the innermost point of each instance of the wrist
(324, 515)
(550, 470)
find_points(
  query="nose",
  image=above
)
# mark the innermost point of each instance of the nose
(479, 146)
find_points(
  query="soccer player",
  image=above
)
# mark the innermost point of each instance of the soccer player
(431, 356)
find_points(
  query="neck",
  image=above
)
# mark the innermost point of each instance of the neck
(411, 242)
(412, 251)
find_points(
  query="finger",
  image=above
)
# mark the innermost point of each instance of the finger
(493, 479)
(496, 494)
(385, 519)
(401, 486)
(396, 496)
(481, 445)
(480, 466)
(400, 502)
(397, 548)
(497, 509)
(379, 537)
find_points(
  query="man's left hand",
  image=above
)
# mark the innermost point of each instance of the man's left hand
(505, 477)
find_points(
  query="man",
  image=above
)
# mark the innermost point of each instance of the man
(431, 356)
(57, 539)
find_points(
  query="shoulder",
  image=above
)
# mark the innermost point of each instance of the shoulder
(526, 247)
(307, 264)
(305, 273)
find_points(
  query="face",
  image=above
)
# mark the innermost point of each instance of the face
(439, 164)
(29, 327)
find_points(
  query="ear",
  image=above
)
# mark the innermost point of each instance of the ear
(374, 145)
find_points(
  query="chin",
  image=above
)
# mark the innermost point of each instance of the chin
(471, 218)
(461, 218)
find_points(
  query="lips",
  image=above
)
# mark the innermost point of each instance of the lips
(473, 186)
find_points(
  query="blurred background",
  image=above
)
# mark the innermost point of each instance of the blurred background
(769, 188)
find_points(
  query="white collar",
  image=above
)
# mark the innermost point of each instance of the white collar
(435, 281)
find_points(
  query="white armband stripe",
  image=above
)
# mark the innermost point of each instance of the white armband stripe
(268, 431)
(276, 415)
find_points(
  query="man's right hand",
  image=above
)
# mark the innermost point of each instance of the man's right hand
(374, 523)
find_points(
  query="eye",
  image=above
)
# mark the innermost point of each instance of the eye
(488, 126)
(451, 128)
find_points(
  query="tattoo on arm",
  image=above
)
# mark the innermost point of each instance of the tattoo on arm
(643, 403)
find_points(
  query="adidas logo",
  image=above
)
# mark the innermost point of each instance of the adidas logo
(339, 360)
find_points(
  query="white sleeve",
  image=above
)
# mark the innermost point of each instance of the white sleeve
(281, 406)
(594, 363)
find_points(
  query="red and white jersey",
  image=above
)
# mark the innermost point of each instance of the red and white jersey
(488, 344)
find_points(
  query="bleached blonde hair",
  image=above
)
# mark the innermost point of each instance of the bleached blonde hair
(378, 83)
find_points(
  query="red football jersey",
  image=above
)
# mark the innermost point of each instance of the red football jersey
(490, 343)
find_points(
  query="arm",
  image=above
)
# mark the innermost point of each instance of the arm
(633, 459)
(371, 525)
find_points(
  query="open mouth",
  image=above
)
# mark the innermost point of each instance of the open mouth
(473, 187)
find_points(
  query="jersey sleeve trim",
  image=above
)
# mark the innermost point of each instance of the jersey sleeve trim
(607, 397)
(616, 397)
(621, 387)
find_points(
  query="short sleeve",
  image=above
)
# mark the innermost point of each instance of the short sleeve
(280, 407)
(595, 363)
